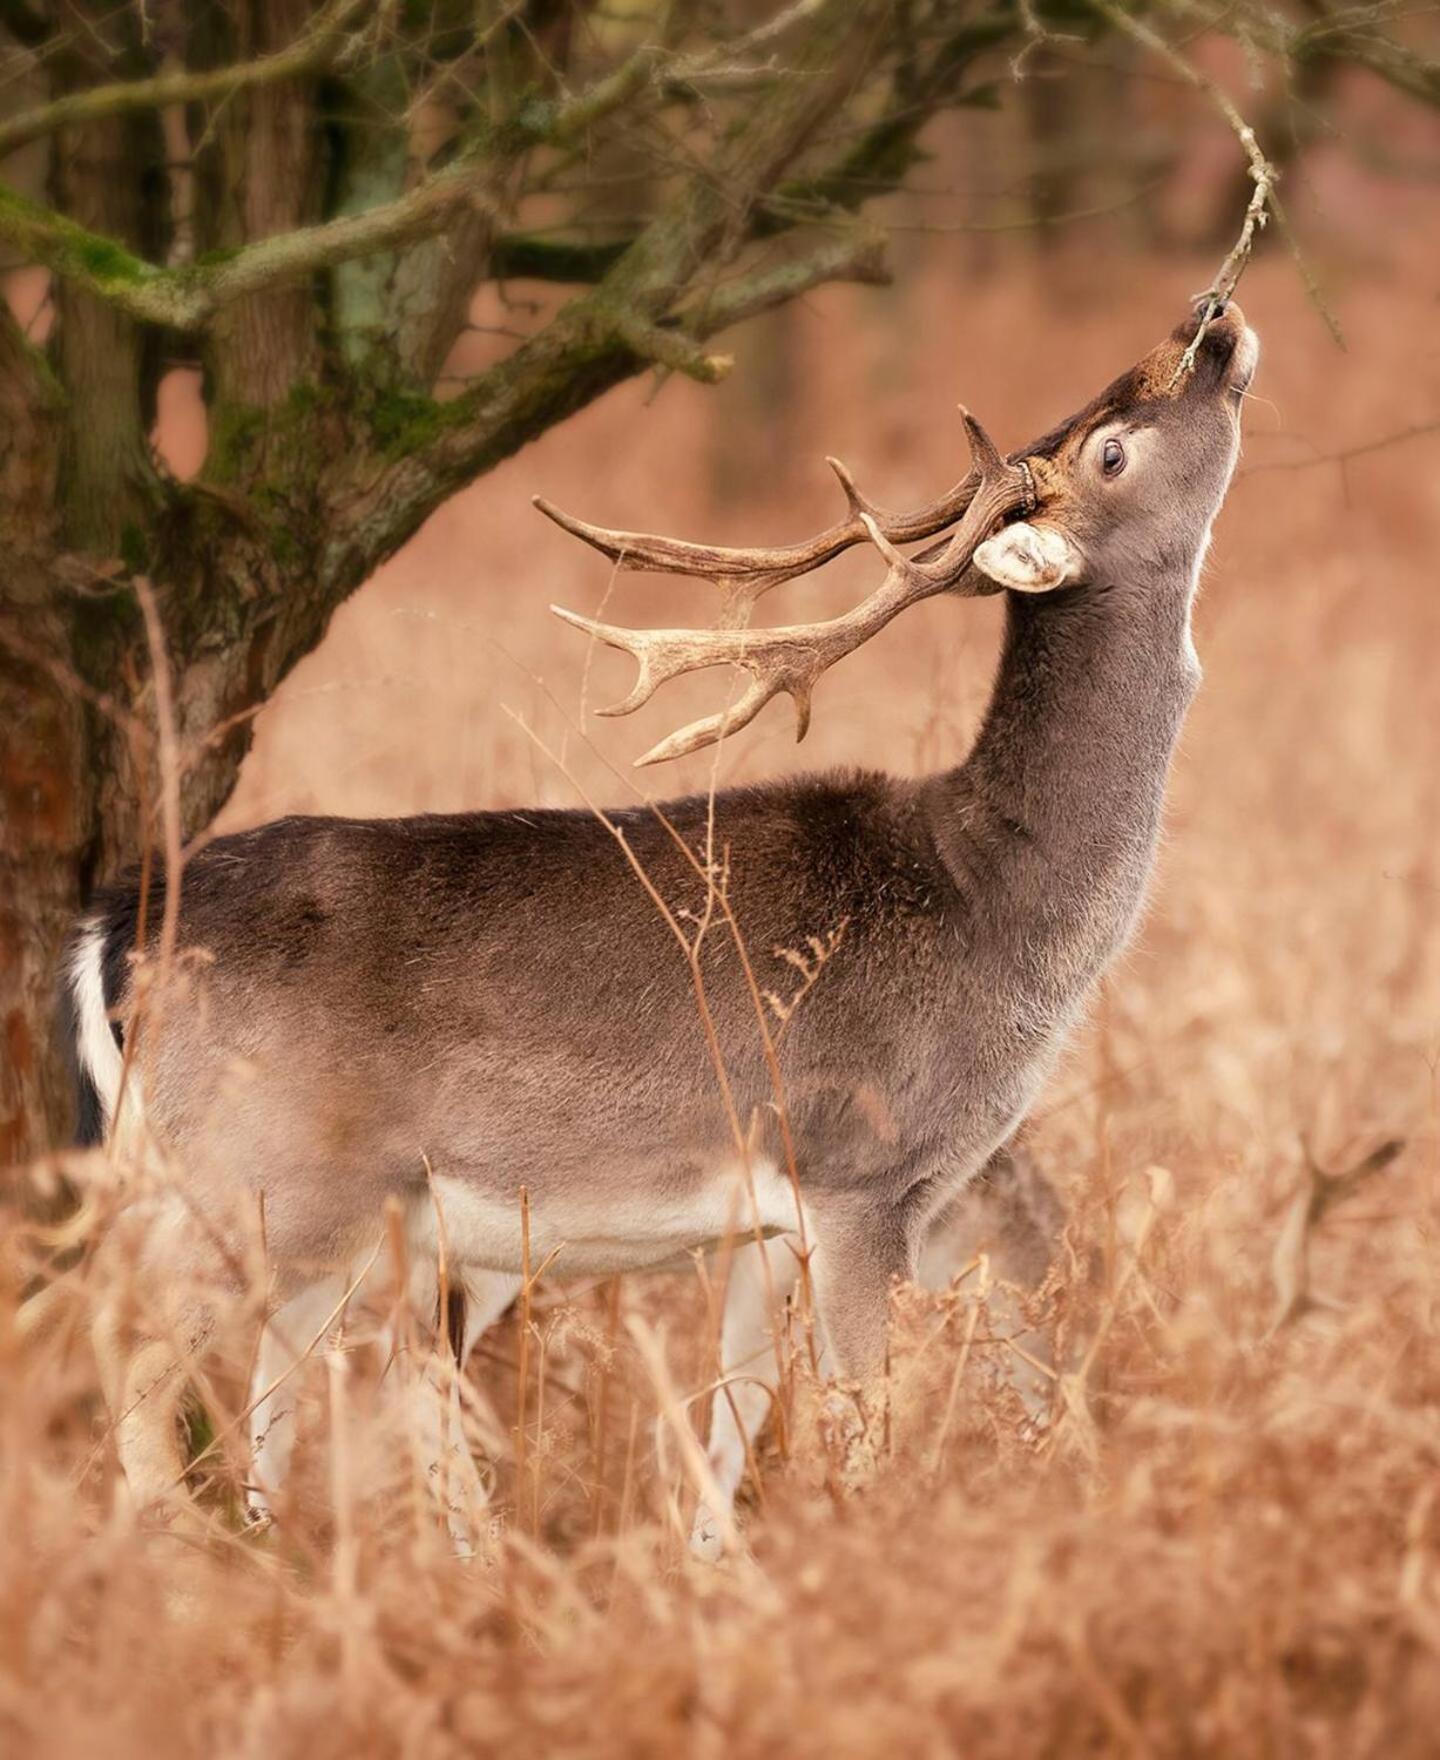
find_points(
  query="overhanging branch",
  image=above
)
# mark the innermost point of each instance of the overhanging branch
(316, 50)
(187, 298)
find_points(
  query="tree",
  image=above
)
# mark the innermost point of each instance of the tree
(304, 200)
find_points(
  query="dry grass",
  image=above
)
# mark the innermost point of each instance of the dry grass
(1230, 1541)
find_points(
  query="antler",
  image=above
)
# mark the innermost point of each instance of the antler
(744, 576)
(791, 659)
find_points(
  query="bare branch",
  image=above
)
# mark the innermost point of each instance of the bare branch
(187, 298)
(1263, 174)
(320, 47)
(1342, 457)
(1333, 34)
(671, 348)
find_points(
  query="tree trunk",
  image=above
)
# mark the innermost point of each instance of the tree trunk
(78, 785)
(45, 832)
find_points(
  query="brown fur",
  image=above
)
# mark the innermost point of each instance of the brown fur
(496, 997)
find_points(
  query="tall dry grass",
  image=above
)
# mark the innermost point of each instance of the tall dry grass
(1228, 1542)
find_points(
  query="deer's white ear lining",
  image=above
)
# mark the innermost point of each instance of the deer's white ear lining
(1029, 558)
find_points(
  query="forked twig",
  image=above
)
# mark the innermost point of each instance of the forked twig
(1290, 1262)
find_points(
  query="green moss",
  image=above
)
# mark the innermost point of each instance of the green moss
(403, 421)
(304, 398)
(239, 430)
(134, 548)
(70, 248)
(235, 430)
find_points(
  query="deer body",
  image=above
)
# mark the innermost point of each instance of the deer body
(447, 1010)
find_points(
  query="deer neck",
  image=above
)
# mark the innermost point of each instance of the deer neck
(1050, 826)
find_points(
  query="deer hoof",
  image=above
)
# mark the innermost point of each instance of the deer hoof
(706, 1542)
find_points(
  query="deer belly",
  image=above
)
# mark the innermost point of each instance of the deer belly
(589, 1233)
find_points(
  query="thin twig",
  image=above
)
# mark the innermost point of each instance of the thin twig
(1263, 175)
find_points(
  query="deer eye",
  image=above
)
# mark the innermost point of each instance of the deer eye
(1112, 458)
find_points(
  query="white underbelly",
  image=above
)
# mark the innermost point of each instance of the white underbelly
(586, 1234)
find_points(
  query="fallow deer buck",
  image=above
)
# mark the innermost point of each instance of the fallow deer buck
(441, 1011)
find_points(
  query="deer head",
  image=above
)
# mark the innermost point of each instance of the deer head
(1127, 485)
(1130, 484)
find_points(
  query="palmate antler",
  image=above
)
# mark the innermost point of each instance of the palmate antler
(791, 658)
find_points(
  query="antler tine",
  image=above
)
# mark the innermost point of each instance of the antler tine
(857, 502)
(984, 453)
(791, 659)
(745, 575)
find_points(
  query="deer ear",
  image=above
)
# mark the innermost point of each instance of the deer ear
(1030, 558)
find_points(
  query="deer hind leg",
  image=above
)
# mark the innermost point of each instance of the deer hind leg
(141, 1350)
(754, 1302)
(1011, 1211)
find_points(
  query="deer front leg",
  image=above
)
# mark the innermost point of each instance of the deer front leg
(859, 1253)
(486, 1295)
(274, 1390)
(433, 1377)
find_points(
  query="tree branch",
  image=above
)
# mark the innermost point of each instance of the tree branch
(603, 336)
(187, 298)
(317, 49)
(1351, 35)
(1263, 175)
(579, 356)
(855, 252)
(874, 163)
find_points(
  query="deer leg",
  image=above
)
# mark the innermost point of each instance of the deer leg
(143, 1384)
(754, 1303)
(445, 1454)
(284, 1341)
(140, 1352)
(859, 1254)
(487, 1295)
(1010, 1211)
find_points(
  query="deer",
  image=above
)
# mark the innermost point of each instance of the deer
(537, 1037)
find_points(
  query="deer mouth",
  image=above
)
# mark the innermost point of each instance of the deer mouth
(1244, 362)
